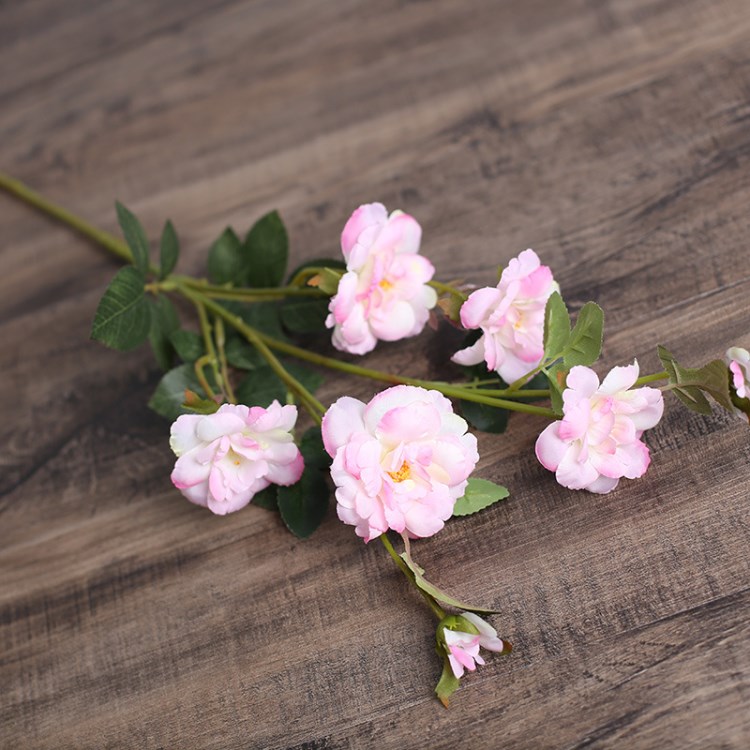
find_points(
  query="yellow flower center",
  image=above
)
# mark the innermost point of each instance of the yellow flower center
(402, 474)
(385, 285)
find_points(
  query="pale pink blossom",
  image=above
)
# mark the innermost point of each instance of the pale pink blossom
(223, 459)
(511, 317)
(399, 462)
(384, 293)
(739, 367)
(597, 441)
(463, 645)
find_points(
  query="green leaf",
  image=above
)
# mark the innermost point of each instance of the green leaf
(305, 315)
(243, 355)
(169, 250)
(303, 506)
(134, 236)
(714, 380)
(437, 593)
(318, 263)
(169, 395)
(447, 684)
(188, 345)
(266, 250)
(123, 319)
(483, 416)
(313, 451)
(265, 316)
(556, 326)
(328, 280)
(556, 379)
(311, 379)
(194, 404)
(226, 264)
(260, 388)
(164, 322)
(585, 343)
(480, 494)
(690, 384)
(538, 382)
(267, 498)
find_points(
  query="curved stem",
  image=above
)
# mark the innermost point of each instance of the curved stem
(437, 610)
(335, 364)
(106, 240)
(246, 293)
(200, 363)
(223, 364)
(208, 340)
(313, 406)
(505, 392)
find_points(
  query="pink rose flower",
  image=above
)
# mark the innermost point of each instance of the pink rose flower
(223, 459)
(598, 439)
(739, 366)
(399, 462)
(384, 294)
(511, 317)
(463, 645)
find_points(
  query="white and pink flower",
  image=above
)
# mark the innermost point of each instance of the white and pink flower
(399, 462)
(598, 440)
(511, 317)
(462, 646)
(223, 459)
(384, 293)
(739, 367)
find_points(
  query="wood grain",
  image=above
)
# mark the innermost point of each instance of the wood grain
(613, 136)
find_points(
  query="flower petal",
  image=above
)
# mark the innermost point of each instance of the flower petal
(343, 418)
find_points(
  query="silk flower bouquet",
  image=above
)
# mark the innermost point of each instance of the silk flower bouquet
(402, 462)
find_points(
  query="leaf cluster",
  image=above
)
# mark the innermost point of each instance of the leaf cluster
(692, 385)
(566, 347)
(125, 317)
(128, 315)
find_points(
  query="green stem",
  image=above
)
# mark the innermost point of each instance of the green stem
(244, 293)
(208, 340)
(475, 383)
(200, 363)
(223, 364)
(257, 337)
(516, 384)
(645, 379)
(503, 393)
(448, 289)
(104, 239)
(438, 611)
(365, 372)
(313, 406)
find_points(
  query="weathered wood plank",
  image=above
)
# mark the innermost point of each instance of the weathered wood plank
(611, 136)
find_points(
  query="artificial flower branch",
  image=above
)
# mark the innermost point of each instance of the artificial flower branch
(403, 461)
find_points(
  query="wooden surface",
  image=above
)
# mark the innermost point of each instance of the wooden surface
(613, 136)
